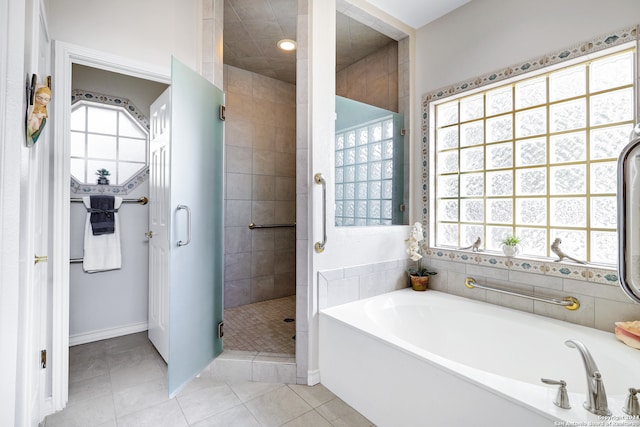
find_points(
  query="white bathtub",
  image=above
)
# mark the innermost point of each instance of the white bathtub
(432, 359)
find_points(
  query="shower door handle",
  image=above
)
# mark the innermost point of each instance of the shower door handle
(186, 208)
(319, 179)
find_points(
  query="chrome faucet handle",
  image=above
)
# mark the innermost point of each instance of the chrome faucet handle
(631, 406)
(562, 398)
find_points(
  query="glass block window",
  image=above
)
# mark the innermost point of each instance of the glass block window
(106, 137)
(536, 158)
(364, 174)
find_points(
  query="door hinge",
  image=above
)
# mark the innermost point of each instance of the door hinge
(403, 131)
(222, 112)
(220, 329)
(43, 359)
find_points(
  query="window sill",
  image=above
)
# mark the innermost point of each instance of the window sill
(603, 274)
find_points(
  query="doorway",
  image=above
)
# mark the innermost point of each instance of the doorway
(110, 303)
(260, 200)
(259, 212)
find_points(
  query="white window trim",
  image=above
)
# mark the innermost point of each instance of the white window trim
(615, 41)
(132, 183)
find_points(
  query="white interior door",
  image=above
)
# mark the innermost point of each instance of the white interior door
(159, 152)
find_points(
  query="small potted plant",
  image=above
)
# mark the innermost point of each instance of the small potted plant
(510, 245)
(418, 275)
(102, 176)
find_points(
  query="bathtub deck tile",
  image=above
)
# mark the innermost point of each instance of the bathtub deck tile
(583, 316)
(595, 290)
(608, 312)
(487, 272)
(529, 278)
(515, 302)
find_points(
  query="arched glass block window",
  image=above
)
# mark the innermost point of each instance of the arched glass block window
(106, 137)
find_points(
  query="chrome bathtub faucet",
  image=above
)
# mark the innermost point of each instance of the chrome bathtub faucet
(562, 397)
(596, 395)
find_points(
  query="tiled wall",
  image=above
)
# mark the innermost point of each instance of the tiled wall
(372, 80)
(602, 302)
(260, 144)
(344, 285)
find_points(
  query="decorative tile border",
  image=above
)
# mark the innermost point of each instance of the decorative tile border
(117, 101)
(565, 270)
(86, 189)
(602, 275)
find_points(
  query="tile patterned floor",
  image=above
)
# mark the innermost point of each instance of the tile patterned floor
(122, 382)
(261, 327)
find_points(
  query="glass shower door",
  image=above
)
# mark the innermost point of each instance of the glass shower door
(196, 237)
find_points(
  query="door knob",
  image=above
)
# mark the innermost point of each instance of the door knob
(37, 259)
(149, 234)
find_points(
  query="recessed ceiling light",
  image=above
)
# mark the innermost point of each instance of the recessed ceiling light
(287, 44)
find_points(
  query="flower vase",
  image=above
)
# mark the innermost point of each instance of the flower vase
(510, 250)
(419, 283)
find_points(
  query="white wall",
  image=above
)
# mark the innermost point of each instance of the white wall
(149, 31)
(488, 35)
(12, 28)
(111, 303)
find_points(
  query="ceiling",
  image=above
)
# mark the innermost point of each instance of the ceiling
(253, 27)
(417, 13)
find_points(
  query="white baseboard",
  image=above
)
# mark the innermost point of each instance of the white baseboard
(47, 409)
(313, 377)
(104, 334)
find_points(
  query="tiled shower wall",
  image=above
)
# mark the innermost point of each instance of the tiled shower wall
(372, 80)
(260, 144)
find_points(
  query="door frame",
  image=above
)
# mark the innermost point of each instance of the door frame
(64, 56)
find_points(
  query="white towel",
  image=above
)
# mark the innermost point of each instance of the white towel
(101, 253)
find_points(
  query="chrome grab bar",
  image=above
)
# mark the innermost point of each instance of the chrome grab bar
(570, 303)
(319, 179)
(253, 226)
(628, 152)
(186, 208)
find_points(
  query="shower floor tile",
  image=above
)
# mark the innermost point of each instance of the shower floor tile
(261, 326)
